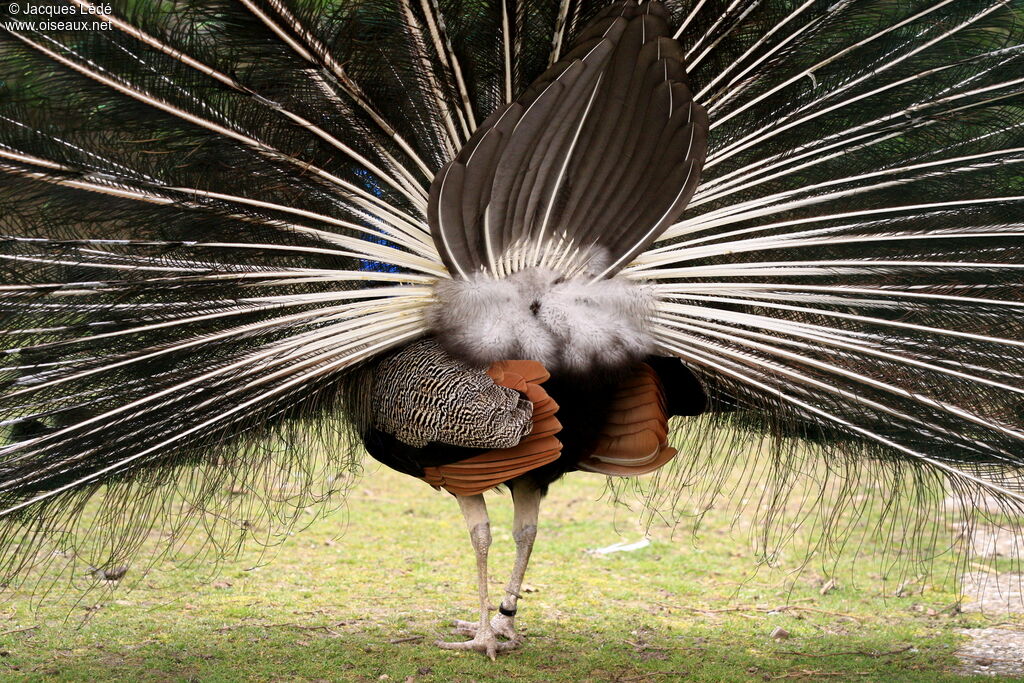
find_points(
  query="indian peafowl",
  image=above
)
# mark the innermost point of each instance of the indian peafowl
(494, 242)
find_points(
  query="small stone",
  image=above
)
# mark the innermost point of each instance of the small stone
(780, 633)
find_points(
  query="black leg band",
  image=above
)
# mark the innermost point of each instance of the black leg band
(506, 612)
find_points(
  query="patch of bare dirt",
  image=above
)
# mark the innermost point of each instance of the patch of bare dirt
(992, 652)
(993, 541)
(993, 594)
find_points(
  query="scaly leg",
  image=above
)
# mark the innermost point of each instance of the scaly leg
(526, 498)
(474, 509)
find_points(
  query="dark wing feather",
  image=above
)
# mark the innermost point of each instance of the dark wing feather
(575, 162)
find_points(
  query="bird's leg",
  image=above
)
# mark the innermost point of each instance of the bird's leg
(474, 509)
(526, 498)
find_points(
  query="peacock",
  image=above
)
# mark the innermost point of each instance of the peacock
(491, 243)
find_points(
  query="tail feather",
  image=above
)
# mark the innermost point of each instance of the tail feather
(587, 166)
(212, 214)
(206, 225)
(852, 258)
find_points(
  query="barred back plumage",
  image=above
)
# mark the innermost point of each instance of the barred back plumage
(217, 218)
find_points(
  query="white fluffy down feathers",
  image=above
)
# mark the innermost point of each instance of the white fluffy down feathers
(569, 325)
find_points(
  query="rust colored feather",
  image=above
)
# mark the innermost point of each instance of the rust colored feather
(634, 440)
(487, 470)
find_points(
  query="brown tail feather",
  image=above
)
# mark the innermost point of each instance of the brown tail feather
(634, 440)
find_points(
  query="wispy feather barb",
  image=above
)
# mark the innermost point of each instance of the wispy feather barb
(217, 217)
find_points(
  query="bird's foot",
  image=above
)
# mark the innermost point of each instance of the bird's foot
(485, 640)
(501, 624)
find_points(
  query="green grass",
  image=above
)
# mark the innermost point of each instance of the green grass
(363, 593)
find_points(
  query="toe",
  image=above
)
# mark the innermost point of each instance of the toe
(466, 628)
(460, 645)
(504, 626)
(484, 644)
